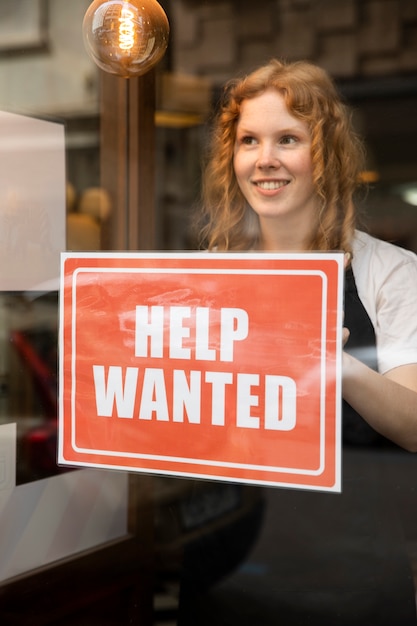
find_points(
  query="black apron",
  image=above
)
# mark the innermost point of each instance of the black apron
(362, 345)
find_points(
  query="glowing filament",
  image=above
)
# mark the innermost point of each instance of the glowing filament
(126, 30)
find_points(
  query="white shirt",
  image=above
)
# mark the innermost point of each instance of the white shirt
(386, 279)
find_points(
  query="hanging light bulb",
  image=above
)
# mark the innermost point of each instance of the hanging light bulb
(126, 37)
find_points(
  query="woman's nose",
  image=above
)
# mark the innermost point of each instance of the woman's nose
(267, 156)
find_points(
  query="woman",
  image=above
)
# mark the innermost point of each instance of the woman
(283, 169)
(281, 175)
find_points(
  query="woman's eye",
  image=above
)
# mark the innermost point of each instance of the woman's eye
(288, 139)
(247, 140)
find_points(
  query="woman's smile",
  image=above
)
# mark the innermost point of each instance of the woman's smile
(270, 185)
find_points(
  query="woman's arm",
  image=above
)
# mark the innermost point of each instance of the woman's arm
(387, 402)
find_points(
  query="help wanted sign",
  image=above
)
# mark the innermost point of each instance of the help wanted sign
(217, 366)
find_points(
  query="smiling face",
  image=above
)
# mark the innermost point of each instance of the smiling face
(273, 167)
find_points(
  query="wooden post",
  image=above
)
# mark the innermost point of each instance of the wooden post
(127, 148)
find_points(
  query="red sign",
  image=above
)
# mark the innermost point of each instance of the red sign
(220, 366)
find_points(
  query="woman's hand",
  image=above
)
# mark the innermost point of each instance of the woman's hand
(387, 402)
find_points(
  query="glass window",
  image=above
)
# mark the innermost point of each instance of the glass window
(94, 162)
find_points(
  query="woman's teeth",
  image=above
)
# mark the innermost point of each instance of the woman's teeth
(270, 185)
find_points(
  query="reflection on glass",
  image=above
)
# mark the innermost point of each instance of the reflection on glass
(28, 379)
